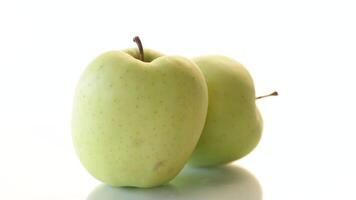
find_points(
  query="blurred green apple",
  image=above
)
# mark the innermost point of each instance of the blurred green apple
(234, 125)
(138, 117)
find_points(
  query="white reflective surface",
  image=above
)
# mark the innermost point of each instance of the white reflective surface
(229, 182)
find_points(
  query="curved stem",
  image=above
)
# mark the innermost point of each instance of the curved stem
(275, 93)
(137, 40)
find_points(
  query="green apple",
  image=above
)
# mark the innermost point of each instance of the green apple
(136, 123)
(234, 125)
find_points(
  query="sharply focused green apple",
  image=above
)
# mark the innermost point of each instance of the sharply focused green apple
(136, 123)
(234, 125)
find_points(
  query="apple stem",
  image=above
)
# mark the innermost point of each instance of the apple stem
(137, 40)
(275, 93)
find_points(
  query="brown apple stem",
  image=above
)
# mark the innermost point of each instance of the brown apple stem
(275, 93)
(137, 40)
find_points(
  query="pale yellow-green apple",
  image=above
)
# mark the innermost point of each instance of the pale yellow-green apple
(234, 124)
(137, 116)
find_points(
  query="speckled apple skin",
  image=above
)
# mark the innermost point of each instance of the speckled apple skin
(136, 123)
(234, 125)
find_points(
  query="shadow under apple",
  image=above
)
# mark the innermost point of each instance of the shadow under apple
(225, 182)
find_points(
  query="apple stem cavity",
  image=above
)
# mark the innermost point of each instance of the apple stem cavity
(137, 40)
(275, 93)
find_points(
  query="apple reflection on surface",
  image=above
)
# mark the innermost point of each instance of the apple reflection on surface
(225, 182)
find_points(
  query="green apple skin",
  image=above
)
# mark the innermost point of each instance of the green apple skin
(136, 123)
(234, 125)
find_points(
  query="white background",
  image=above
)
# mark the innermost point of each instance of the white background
(306, 50)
